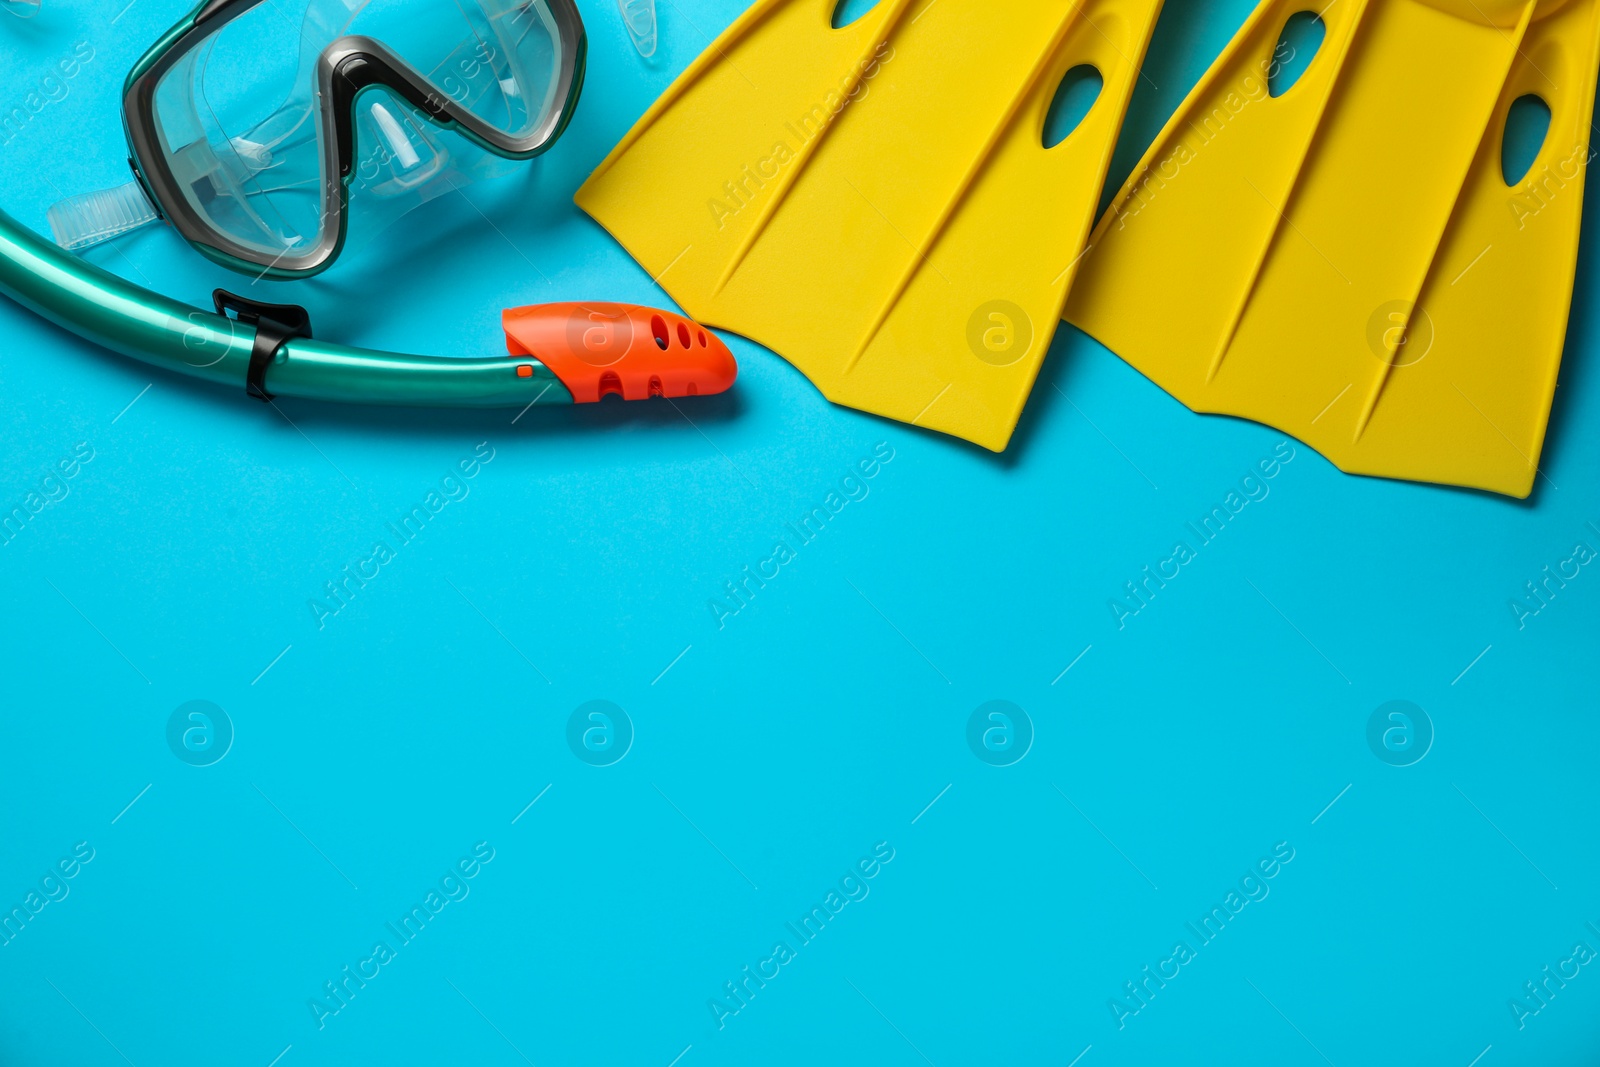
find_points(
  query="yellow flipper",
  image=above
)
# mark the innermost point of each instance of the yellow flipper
(875, 202)
(1346, 261)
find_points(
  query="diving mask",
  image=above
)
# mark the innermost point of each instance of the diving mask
(257, 138)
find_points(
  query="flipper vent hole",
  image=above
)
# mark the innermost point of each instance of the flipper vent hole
(1527, 129)
(849, 11)
(1298, 45)
(1075, 98)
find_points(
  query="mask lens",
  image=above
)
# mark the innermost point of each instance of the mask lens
(237, 126)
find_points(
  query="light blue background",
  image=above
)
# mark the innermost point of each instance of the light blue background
(777, 751)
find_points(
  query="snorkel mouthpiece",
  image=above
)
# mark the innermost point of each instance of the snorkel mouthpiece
(599, 349)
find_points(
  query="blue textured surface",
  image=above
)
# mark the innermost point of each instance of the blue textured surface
(771, 754)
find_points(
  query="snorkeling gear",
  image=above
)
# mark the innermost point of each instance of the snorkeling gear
(244, 134)
(879, 202)
(559, 354)
(1354, 260)
(23, 9)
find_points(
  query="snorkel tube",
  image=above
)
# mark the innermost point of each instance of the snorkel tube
(559, 353)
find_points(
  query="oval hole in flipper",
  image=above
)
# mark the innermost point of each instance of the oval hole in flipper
(1527, 129)
(849, 11)
(1298, 45)
(1075, 97)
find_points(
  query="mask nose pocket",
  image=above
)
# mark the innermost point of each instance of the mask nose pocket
(397, 153)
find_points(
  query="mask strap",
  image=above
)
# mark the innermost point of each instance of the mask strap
(87, 219)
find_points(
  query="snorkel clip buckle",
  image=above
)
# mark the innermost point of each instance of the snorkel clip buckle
(276, 325)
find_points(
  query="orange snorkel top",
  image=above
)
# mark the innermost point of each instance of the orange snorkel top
(598, 349)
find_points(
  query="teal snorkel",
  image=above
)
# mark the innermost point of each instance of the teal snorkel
(561, 353)
(117, 314)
